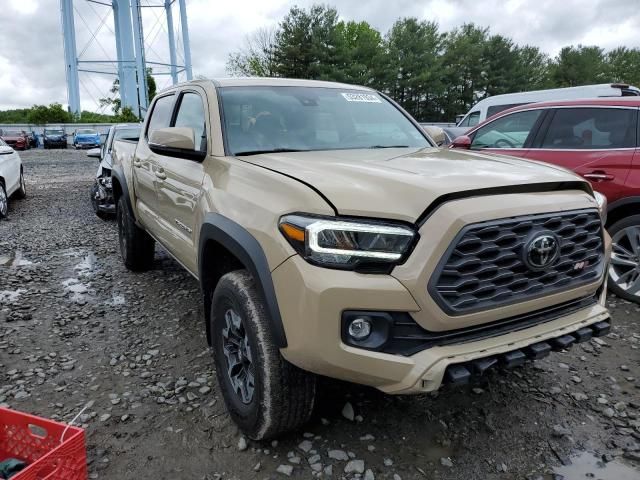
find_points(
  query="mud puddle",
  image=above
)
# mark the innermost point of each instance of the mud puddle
(587, 465)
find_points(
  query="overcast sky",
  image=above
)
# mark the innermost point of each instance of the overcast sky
(32, 61)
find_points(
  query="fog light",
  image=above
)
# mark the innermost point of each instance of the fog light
(360, 328)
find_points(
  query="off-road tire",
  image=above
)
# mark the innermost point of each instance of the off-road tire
(22, 190)
(633, 220)
(284, 395)
(137, 247)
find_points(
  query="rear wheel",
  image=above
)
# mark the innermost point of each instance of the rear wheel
(265, 394)
(4, 203)
(136, 246)
(624, 270)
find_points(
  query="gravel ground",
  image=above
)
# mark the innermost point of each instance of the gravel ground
(78, 329)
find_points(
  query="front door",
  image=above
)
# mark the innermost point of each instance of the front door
(179, 184)
(10, 166)
(595, 142)
(509, 135)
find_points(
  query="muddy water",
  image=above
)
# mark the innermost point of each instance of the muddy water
(586, 466)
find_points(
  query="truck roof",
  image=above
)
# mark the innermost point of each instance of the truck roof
(272, 82)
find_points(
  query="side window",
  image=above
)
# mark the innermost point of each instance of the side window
(191, 114)
(510, 131)
(471, 120)
(591, 128)
(161, 114)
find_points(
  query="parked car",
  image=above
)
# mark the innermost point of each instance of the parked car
(11, 177)
(597, 139)
(331, 237)
(101, 191)
(16, 139)
(86, 138)
(497, 103)
(54, 138)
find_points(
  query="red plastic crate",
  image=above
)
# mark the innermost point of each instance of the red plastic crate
(39, 442)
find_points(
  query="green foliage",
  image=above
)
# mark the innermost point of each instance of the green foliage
(579, 66)
(19, 115)
(126, 115)
(54, 113)
(434, 75)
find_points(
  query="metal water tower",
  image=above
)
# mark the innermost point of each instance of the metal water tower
(131, 64)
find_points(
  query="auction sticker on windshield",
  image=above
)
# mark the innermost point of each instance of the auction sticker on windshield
(361, 97)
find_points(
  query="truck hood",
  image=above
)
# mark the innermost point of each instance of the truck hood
(400, 183)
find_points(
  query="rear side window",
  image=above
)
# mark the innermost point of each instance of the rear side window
(591, 128)
(191, 114)
(510, 131)
(161, 114)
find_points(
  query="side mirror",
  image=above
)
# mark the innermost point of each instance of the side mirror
(436, 134)
(463, 141)
(5, 150)
(176, 142)
(94, 153)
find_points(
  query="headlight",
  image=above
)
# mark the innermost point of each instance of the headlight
(348, 244)
(601, 200)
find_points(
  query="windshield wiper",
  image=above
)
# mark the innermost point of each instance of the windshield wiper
(389, 146)
(273, 150)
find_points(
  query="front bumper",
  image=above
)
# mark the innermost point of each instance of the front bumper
(87, 145)
(311, 306)
(312, 301)
(55, 143)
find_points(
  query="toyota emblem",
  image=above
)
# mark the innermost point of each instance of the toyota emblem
(542, 250)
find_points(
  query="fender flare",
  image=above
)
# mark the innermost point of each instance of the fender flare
(237, 240)
(118, 174)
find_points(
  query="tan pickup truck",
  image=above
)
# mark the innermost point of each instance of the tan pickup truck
(331, 237)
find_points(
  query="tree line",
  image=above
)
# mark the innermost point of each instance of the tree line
(434, 75)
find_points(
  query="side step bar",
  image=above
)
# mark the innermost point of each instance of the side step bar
(461, 373)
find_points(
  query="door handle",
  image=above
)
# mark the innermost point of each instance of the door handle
(137, 163)
(160, 174)
(599, 176)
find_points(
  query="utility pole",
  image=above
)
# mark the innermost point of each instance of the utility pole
(70, 56)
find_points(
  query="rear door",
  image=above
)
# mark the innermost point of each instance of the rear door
(510, 134)
(179, 185)
(596, 142)
(145, 165)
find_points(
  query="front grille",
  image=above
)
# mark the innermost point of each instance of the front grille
(485, 265)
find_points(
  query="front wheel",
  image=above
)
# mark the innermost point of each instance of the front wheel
(264, 394)
(4, 203)
(137, 247)
(22, 190)
(624, 270)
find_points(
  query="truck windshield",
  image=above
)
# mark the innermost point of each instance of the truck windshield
(263, 119)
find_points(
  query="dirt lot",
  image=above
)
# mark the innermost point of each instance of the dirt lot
(77, 329)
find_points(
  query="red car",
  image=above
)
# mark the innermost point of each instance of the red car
(15, 139)
(598, 139)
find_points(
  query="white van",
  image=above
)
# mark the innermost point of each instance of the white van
(492, 105)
